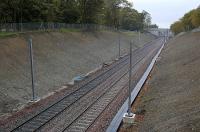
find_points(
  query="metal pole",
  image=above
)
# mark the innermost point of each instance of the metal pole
(119, 45)
(21, 13)
(139, 37)
(32, 68)
(129, 91)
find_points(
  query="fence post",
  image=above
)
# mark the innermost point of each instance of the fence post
(119, 39)
(21, 27)
(129, 116)
(130, 82)
(139, 37)
(32, 69)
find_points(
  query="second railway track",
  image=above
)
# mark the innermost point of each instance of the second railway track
(86, 96)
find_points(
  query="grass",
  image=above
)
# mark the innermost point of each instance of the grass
(66, 30)
(11, 34)
(7, 34)
(130, 33)
(62, 30)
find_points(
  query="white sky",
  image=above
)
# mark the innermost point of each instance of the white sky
(165, 12)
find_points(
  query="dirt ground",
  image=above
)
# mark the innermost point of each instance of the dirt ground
(58, 57)
(171, 102)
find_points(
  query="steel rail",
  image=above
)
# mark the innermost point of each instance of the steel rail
(138, 61)
(125, 87)
(97, 78)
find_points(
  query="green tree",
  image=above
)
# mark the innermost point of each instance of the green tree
(146, 18)
(90, 10)
(153, 26)
(69, 12)
(115, 13)
(177, 27)
(187, 21)
(196, 18)
(130, 19)
(112, 14)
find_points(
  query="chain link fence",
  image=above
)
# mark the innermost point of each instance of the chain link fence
(58, 58)
(41, 26)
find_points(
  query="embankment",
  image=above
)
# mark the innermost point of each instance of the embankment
(58, 57)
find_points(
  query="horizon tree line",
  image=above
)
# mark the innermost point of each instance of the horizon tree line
(115, 13)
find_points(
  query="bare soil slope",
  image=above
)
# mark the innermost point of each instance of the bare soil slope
(58, 57)
(172, 102)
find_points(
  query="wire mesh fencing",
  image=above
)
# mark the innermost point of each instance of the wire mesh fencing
(41, 26)
(57, 59)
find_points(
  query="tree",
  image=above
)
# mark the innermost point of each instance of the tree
(90, 10)
(177, 27)
(153, 26)
(187, 21)
(115, 13)
(112, 14)
(196, 18)
(147, 19)
(130, 19)
(33, 10)
(69, 12)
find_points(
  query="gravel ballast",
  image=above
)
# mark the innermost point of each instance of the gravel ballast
(58, 58)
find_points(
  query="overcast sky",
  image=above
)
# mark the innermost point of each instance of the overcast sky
(165, 12)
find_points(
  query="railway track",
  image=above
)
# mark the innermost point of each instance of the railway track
(84, 121)
(87, 96)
